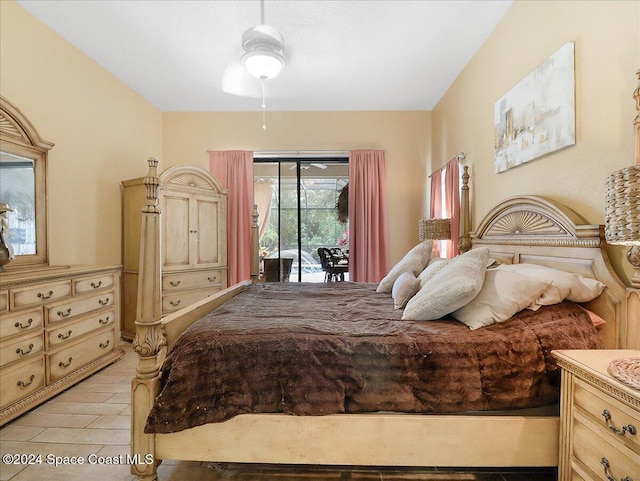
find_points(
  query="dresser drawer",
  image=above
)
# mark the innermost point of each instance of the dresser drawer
(21, 322)
(76, 306)
(173, 302)
(21, 348)
(28, 296)
(72, 331)
(93, 283)
(74, 357)
(21, 381)
(593, 403)
(193, 279)
(4, 301)
(591, 446)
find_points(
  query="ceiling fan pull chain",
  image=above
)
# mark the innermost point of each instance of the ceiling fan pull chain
(264, 105)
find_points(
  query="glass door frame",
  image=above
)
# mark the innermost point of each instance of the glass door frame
(299, 161)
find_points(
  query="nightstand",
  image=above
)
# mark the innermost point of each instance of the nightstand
(599, 418)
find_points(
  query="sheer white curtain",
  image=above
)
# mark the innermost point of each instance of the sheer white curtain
(263, 193)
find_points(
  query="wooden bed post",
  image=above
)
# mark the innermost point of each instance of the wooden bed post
(149, 339)
(465, 214)
(255, 246)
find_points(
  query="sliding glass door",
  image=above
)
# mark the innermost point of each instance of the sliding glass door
(302, 213)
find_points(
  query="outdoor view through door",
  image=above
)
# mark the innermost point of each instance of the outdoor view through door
(297, 205)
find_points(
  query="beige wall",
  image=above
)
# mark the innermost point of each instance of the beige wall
(102, 131)
(607, 54)
(403, 135)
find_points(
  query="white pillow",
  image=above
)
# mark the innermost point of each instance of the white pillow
(404, 288)
(572, 286)
(414, 261)
(432, 269)
(449, 289)
(502, 295)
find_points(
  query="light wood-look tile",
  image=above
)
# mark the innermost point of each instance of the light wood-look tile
(93, 417)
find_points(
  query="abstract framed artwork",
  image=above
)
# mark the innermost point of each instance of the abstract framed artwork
(537, 116)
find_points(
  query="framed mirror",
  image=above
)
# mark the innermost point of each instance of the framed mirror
(23, 186)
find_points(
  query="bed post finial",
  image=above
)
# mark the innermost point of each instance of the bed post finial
(149, 338)
(255, 246)
(465, 215)
(152, 184)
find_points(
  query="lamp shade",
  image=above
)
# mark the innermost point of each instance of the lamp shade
(622, 207)
(436, 229)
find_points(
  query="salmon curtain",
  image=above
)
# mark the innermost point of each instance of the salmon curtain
(445, 203)
(234, 170)
(452, 205)
(368, 233)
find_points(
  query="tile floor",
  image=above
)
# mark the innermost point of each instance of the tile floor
(91, 420)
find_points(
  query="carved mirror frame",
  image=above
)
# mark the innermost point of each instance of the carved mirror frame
(19, 137)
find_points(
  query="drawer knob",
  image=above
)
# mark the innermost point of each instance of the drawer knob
(174, 284)
(175, 303)
(105, 345)
(212, 279)
(66, 313)
(620, 432)
(606, 467)
(105, 321)
(67, 364)
(28, 383)
(65, 336)
(22, 352)
(96, 285)
(44, 297)
(103, 303)
(19, 325)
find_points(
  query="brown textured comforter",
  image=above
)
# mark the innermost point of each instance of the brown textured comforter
(315, 349)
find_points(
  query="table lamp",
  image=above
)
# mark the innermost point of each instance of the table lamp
(622, 215)
(434, 229)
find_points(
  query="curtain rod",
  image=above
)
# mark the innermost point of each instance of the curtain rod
(266, 154)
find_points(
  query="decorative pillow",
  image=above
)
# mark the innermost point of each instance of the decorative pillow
(404, 288)
(433, 267)
(414, 261)
(573, 287)
(596, 320)
(502, 295)
(449, 289)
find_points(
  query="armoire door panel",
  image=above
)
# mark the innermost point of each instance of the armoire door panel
(176, 231)
(207, 215)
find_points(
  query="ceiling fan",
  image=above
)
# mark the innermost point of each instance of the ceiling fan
(263, 58)
(312, 164)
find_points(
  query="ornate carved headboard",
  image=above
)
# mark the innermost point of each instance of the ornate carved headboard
(538, 230)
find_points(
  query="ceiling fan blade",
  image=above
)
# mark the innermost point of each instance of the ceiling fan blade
(236, 80)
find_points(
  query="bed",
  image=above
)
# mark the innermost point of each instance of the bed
(520, 230)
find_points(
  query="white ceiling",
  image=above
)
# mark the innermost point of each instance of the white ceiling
(341, 54)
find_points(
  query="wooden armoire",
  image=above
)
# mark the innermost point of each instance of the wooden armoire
(193, 243)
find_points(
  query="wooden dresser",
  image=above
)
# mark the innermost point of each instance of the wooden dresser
(58, 325)
(599, 418)
(193, 239)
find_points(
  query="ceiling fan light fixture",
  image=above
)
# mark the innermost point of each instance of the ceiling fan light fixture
(264, 52)
(262, 64)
